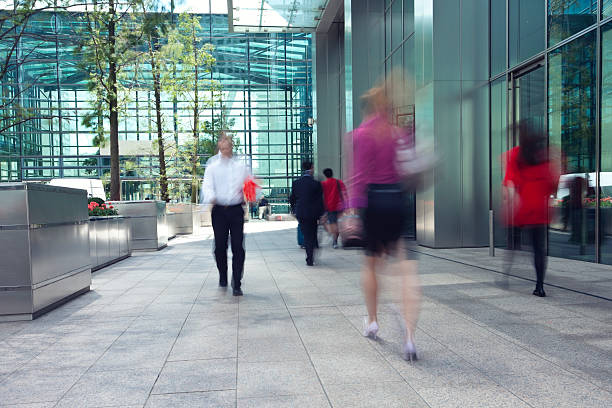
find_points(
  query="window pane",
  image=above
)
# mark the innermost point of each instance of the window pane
(605, 214)
(567, 17)
(526, 29)
(606, 8)
(397, 18)
(498, 36)
(499, 145)
(571, 124)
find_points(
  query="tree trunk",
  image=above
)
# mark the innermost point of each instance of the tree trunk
(163, 178)
(196, 120)
(115, 186)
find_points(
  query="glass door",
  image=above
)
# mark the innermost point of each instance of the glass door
(526, 105)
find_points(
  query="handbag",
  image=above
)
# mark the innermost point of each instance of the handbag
(350, 227)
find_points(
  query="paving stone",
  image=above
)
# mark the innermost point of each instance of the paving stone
(197, 375)
(384, 394)
(294, 401)
(210, 399)
(110, 388)
(276, 378)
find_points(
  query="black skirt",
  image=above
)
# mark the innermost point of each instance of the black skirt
(383, 218)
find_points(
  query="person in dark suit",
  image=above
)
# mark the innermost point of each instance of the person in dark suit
(307, 204)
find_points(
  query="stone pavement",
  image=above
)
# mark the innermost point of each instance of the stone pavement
(156, 331)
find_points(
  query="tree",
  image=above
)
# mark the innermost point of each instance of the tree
(192, 63)
(154, 25)
(111, 35)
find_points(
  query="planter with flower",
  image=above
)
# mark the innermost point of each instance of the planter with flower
(109, 234)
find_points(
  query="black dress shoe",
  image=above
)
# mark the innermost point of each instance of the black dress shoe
(539, 292)
(237, 292)
(310, 263)
(223, 284)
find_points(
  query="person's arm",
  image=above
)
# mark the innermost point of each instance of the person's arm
(362, 163)
(208, 187)
(321, 205)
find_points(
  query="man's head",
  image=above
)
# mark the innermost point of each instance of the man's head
(307, 166)
(225, 145)
(328, 173)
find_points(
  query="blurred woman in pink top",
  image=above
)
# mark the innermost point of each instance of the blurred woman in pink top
(376, 193)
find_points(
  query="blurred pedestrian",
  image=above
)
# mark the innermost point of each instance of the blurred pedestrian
(307, 204)
(376, 192)
(223, 186)
(531, 178)
(334, 193)
(263, 207)
(253, 210)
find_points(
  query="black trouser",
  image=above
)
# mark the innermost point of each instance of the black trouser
(228, 221)
(538, 241)
(309, 230)
(537, 235)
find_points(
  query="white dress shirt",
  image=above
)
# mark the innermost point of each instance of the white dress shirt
(224, 181)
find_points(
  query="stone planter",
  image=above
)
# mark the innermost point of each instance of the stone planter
(109, 240)
(147, 221)
(44, 248)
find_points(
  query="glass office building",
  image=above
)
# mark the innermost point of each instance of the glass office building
(266, 103)
(480, 68)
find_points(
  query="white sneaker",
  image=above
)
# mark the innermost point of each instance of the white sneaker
(370, 330)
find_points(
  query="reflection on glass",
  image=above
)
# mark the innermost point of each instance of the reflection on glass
(526, 29)
(498, 36)
(567, 17)
(606, 8)
(605, 181)
(571, 116)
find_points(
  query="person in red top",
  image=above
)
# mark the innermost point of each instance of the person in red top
(334, 192)
(531, 178)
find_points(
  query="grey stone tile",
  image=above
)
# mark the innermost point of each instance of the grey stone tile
(210, 399)
(126, 357)
(33, 405)
(353, 368)
(30, 386)
(110, 388)
(385, 394)
(470, 396)
(294, 401)
(204, 375)
(271, 349)
(276, 379)
(196, 346)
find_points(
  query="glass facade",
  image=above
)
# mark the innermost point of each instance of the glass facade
(399, 54)
(266, 103)
(555, 87)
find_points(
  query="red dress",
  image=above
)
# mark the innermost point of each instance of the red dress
(534, 185)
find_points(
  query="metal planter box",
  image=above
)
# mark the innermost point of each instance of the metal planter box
(186, 218)
(44, 248)
(147, 221)
(109, 240)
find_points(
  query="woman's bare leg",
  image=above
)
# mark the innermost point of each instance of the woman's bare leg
(370, 286)
(411, 297)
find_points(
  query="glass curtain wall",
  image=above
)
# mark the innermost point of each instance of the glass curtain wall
(399, 54)
(578, 89)
(266, 103)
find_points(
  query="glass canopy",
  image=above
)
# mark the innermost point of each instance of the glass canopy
(275, 15)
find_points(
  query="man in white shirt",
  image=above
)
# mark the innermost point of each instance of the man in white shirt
(223, 188)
